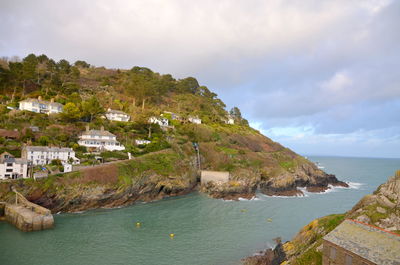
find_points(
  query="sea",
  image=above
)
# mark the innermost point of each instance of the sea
(205, 231)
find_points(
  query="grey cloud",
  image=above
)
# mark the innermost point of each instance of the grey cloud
(332, 65)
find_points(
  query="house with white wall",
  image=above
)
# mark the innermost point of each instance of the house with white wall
(117, 115)
(163, 122)
(13, 168)
(41, 106)
(100, 139)
(43, 155)
(142, 142)
(195, 120)
(229, 120)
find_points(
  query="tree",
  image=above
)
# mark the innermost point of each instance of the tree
(71, 112)
(81, 64)
(91, 108)
(235, 113)
(44, 140)
(29, 65)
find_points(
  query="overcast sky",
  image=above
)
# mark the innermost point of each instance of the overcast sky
(321, 77)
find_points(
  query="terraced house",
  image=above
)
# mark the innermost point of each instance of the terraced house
(43, 155)
(100, 140)
(41, 106)
(356, 243)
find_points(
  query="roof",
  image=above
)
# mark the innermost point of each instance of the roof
(116, 112)
(35, 100)
(98, 132)
(48, 149)
(9, 133)
(367, 241)
(12, 159)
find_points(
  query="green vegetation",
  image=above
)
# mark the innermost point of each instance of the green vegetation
(303, 248)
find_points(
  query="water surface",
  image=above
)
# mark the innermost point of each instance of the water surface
(207, 231)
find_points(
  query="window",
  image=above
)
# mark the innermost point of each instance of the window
(349, 260)
(9, 164)
(333, 253)
(9, 170)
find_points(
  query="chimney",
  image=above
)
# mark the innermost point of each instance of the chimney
(102, 128)
(39, 98)
(87, 127)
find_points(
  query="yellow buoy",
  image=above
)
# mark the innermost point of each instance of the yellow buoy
(243, 210)
(138, 224)
(269, 220)
(171, 235)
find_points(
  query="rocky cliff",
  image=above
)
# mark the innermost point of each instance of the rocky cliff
(382, 209)
(254, 161)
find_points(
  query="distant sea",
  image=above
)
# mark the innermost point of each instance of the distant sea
(207, 231)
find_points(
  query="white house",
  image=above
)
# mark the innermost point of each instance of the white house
(195, 120)
(229, 120)
(117, 115)
(163, 122)
(43, 155)
(13, 168)
(142, 142)
(40, 106)
(100, 139)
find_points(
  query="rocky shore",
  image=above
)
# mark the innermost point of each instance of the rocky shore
(381, 209)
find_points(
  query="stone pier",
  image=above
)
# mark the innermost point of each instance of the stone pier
(25, 215)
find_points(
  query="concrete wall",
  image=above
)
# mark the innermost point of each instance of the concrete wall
(27, 220)
(216, 176)
(340, 257)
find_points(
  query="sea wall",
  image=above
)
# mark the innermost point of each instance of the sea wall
(27, 220)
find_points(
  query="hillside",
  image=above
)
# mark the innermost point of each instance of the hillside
(166, 166)
(381, 209)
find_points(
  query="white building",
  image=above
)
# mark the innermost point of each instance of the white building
(163, 122)
(142, 142)
(41, 106)
(117, 115)
(12, 168)
(43, 155)
(229, 120)
(100, 139)
(195, 120)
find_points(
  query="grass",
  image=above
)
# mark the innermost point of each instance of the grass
(163, 164)
(310, 257)
(227, 150)
(312, 236)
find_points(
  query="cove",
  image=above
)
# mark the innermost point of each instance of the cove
(207, 231)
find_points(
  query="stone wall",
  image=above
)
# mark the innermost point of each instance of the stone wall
(340, 256)
(216, 176)
(27, 220)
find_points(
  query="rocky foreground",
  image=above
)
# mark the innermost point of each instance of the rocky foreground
(382, 209)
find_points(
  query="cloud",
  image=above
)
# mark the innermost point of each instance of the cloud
(324, 67)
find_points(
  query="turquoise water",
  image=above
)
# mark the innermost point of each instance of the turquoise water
(207, 231)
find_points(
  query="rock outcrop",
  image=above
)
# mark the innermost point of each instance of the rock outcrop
(382, 209)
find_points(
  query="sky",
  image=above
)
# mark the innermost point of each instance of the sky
(321, 77)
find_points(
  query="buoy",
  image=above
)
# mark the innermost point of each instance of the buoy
(138, 224)
(243, 210)
(269, 220)
(171, 235)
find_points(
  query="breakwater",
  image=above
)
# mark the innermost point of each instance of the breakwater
(25, 215)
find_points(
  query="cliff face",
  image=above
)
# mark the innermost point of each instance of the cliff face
(382, 209)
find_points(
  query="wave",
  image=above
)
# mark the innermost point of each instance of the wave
(355, 185)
